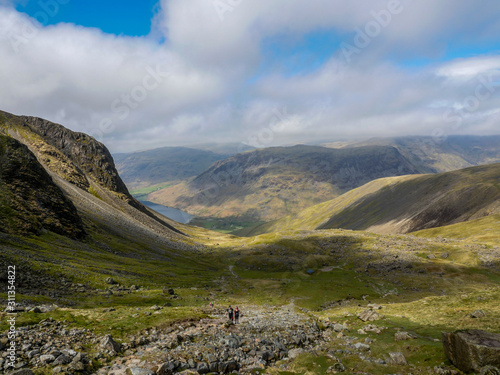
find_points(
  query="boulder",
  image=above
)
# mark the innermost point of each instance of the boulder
(62, 360)
(478, 314)
(139, 371)
(339, 327)
(294, 353)
(401, 336)
(471, 350)
(362, 347)
(397, 358)
(107, 343)
(47, 358)
(202, 368)
(489, 370)
(369, 316)
(167, 368)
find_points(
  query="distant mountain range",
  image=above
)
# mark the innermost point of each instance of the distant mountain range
(435, 154)
(266, 184)
(171, 164)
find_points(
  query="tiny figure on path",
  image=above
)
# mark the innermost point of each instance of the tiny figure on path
(230, 313)
(236, 315)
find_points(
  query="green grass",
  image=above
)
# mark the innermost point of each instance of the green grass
(143, 193)
(272, 269)
(484, 230)
(224, 225)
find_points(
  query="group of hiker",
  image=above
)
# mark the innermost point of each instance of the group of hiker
(233, 315)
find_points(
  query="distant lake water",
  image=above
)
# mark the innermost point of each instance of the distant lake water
(170, 212)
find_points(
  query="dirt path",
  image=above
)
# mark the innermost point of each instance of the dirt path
(232, 272)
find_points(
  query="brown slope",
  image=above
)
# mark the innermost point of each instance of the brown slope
(267, 184)
(406, 204)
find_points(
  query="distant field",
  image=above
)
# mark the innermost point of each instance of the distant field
(144, 192)
(224, 225)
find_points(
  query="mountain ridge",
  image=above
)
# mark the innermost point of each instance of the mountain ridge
(405, 204)
(439, 154)
(76, 160)
(265, 184)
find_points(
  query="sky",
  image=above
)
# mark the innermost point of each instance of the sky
(138, 75)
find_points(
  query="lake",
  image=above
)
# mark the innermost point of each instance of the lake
(170, 212)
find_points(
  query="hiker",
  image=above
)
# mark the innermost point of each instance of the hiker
(236, 315)
(230, 312)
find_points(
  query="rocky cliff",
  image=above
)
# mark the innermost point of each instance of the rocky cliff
(30, 202)
(73, 162)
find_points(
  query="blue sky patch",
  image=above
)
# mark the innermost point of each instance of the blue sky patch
(119, 17)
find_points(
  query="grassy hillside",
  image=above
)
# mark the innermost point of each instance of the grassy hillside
(326, 276)
(435, 154)
(405, 204)
(484, 230)
(267, 184)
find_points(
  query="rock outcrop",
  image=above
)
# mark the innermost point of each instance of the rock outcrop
(471, 350)
(30, 201)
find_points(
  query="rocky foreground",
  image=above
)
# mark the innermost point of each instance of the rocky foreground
(265, 338)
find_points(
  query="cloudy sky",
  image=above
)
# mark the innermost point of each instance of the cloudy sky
(145, 74)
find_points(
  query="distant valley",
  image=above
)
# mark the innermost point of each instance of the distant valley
(267, 184)
(231, 191)
(141, 170)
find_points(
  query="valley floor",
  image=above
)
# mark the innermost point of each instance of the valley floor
(300, 292)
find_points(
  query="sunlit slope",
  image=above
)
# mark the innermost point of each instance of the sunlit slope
(405, 204)
(267, 184)
(485, 230)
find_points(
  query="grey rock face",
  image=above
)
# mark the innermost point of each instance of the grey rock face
(471, 350)
(107, 343)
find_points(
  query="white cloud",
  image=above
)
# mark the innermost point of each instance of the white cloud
(200, 85)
